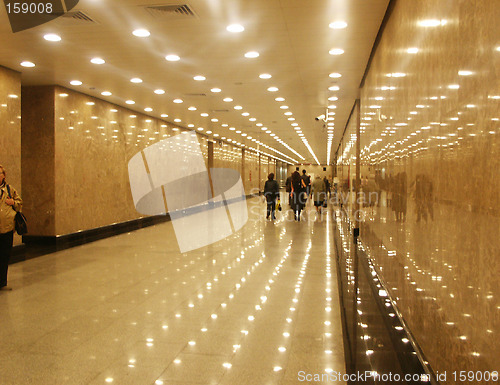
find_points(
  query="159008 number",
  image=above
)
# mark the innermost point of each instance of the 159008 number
(29, 7)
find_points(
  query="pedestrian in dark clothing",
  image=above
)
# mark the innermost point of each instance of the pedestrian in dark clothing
(307, 182)
(298, 195)
(288, 188)
(271, 192)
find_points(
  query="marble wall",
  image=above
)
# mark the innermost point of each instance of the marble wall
(430, 151)
(10, 129)
(85, 145)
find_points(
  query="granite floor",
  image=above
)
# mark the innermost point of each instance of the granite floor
(259, 307)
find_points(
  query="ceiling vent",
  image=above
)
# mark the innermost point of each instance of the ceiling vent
(220, 110)
(195, 94)
(78, 16)
(170, 11)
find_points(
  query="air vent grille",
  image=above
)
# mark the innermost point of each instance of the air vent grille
(78, 15)
(169, 11)
(220, 110)
(195, 94)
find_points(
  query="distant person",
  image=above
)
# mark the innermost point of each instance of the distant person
(307, 181)
(10, 202)
(298, 195)
(271, 192)
(319, 193)
(288, 188)
(327, 186)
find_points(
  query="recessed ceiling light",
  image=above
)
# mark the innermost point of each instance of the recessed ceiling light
(288, 113)
(232, 128)
(333, 98)
(265, 76)
(215, 89)
(199, 78)
(338, 25)
(465, 73)
(97, 60)
(412, 50)
(335, 75)
(141, 32)
(214, 120)
(130, 102)
(235, 28)
(106, 93)
(209, 132)
(178, 100)
(228, 99)
(27, 64)
(252, 54)
(136, 80)
(273, 89)
(75, 83)
(192, 108)
(148, 109)
(280, 99)
(164, 115)
(245, 114)
(336, 51)
(204, 114)
(284, 107)
(334, 88)
(177, 120)
(172, 57)
(52, 37)
(159, 92)
(238, 107)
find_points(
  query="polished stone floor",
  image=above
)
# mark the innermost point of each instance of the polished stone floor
(259, 307)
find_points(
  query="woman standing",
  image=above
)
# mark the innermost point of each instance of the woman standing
(10, 202)
(298, 195)
(319, 193)
(271, 192)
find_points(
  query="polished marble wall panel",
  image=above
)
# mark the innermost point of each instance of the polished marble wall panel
(430, 151)
(251, 172)
(10, 129)
(227, 156)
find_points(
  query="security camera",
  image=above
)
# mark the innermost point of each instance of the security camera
(321, 117)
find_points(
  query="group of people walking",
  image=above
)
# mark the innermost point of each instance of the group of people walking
(299, 188)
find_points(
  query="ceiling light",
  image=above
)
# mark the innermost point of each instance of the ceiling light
(199, 78)
(238, 107)
(192, 108)
(204, 114)
(52, 37)
(106, 93)
(172, 57)
(245, 114)
(164, 115)
(177, 120)
(159, 92)
(75, 83)
(284, 107)
(453, 86)
(273, 89)
(216, 89)
(335, 75)
(209, 132)
(228, 99)
(130, 102)
(333, 98)
(396, 75)
(338, 25)
(265, 76)
(141, 32)
(232, 128)
(178, 101)
(465, 73)
(280, 99)
(235, 28)
(27, 64)
(412, 50)
(288, 113)
(136, 80)
(214, 120)
(148, 109)
(97, 60)
(431, 23)
(336, 51)
(333, 88)
(252, 54)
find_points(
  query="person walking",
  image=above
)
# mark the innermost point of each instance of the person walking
(307, 182)
(271, 192)
(319, 193)
(288, 188)
(10, 202)
(298, 195)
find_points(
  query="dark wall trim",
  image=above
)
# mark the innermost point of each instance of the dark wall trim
(388, 12)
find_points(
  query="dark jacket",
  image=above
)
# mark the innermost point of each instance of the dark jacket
(271, 190)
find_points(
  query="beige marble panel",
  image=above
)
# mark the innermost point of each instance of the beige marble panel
(10, 129)
(251, 172)
(430, 147)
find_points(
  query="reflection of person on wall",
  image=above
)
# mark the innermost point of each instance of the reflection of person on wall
(390, 190)
(399, 197)
(423, 197)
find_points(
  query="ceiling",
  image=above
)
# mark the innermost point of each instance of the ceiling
(292, 37)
